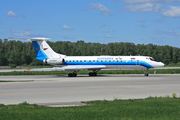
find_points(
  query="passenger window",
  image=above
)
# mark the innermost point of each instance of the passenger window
(109, 60)
(101, 60)
(77, 61)
(73, 60)
(89, 60)
(69, 60)
(84, 60)
(93, 60)
(80, 60)
(117, 61)
(105, 60)
(113, 60)
(97, 60)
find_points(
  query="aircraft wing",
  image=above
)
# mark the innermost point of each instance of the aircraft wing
(71, 68)
(83, 67)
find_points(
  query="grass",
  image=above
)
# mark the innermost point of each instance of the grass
(138, 109)
(83, 72)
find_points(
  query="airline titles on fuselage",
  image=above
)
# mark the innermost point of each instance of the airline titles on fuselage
(109, 58)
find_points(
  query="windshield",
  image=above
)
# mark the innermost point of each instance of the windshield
(152, 59)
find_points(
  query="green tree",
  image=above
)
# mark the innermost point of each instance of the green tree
(3, 60)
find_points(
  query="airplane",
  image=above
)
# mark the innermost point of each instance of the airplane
(45, 53)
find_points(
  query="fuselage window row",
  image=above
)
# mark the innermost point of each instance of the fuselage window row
(94, 61)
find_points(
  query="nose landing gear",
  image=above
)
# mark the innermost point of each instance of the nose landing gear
(146, 74)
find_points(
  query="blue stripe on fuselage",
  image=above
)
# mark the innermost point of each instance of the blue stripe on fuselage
(124, 62)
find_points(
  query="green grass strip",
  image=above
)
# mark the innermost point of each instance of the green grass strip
(83, 72)
(138, 109)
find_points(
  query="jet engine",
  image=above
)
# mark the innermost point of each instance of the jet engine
(54, 61)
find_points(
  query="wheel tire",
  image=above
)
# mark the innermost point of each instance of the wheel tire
(90, 74)
(74, 75)
(146, 74)
(94, 74)
(70, 75)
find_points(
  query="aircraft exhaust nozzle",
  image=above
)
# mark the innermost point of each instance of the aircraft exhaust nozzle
(54, 61)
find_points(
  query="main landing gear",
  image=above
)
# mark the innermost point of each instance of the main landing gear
(146, 74)
(74, 74)
(94, 73)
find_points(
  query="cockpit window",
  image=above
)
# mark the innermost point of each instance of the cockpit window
(152, 59)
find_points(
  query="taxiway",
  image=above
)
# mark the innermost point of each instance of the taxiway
(52, 89)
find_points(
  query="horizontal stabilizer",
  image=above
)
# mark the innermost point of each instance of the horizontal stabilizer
(32, 39)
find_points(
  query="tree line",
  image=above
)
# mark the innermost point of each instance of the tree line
(22, 53)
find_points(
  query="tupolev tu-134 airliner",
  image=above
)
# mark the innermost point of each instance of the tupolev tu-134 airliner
(45, 54)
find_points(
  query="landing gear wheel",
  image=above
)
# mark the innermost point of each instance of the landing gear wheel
(70, 75)
(92, 74)
(74, 74)
(146, 74)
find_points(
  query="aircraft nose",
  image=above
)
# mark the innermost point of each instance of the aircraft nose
(161, 64)
(158, 64)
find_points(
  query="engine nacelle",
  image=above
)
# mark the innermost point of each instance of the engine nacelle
(54, 61)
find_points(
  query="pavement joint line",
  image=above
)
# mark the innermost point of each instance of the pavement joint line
(90, 91)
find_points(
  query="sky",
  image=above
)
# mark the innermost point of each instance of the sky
(96, 21)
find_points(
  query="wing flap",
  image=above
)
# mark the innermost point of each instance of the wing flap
(83, 67)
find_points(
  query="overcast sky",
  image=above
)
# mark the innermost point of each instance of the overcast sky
(103, 21)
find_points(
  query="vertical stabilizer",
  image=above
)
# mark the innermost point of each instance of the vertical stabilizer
(42, 49)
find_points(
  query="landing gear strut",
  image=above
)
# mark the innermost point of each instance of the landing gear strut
(146, 74)
(94, 73)
(74, 74)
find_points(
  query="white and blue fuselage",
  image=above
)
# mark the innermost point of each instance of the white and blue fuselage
(44, 53)
(112, 62)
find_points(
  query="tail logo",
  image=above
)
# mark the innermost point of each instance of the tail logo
(42, 49)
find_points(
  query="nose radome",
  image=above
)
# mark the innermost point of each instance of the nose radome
(161, 64)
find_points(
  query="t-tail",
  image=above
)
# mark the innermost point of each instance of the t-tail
(44, 52)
